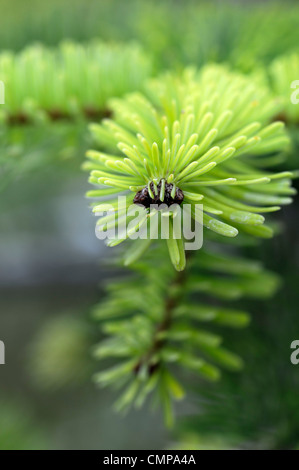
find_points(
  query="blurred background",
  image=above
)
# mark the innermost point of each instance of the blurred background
(53, 269)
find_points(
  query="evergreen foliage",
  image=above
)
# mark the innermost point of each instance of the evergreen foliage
(209, 134)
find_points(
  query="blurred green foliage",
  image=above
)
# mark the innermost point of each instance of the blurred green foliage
(71, 81)
(259, 406)
(60, 354)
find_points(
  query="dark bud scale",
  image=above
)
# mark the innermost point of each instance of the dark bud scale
(143, 197)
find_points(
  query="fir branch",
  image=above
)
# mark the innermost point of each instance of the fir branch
(283, 75)
(199, 136)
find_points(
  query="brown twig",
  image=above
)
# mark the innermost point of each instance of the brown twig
(166, 322)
